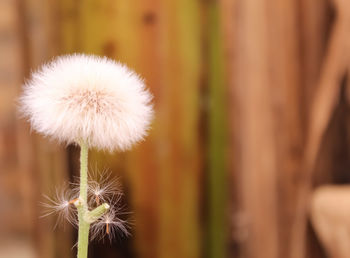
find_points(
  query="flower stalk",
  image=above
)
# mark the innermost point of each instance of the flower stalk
(84, 153)
(85, 216)
(100, 104)
(81, 204)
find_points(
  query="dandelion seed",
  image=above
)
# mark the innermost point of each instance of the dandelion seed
(62, 205)
(102, 187)
(109, 225)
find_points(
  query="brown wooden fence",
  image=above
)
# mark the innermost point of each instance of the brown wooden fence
(223, 172)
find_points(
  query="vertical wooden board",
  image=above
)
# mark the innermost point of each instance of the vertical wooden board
(190, 49)
(217, 153)
(54, 239)
(16, 160)
(51, 172)
(143, 161)
(16, 212)
(41, 31)
(286, 97)
(68, 30)
(252, 131)
(109, 28)
(179, 179)
(315, 21)
(236, 227)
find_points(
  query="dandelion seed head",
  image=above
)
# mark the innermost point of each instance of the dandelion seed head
(87, 98)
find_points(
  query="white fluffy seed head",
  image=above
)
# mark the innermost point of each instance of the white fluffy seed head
(87, 98)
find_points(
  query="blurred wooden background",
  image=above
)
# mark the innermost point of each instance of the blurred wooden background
(221, 174)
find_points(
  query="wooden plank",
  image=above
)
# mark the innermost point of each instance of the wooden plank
(179, 171)
(315, 31)
(266, 128)
(16, 213)
(254, 130)
(217, 142)
(286, 92)
(144, 162)
(50, 160)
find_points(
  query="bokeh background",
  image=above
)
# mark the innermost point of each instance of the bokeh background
(251, 100)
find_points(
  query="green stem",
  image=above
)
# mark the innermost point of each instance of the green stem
(92, 216)
(83, 238)
(83, 172)
(84, 227)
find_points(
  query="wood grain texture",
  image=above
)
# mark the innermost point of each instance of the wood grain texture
(217, 137)
(263, 51)
(326, 99)
(179, 173)
(27, 39)
(253, 132)
(49, 165)
(247, 120)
